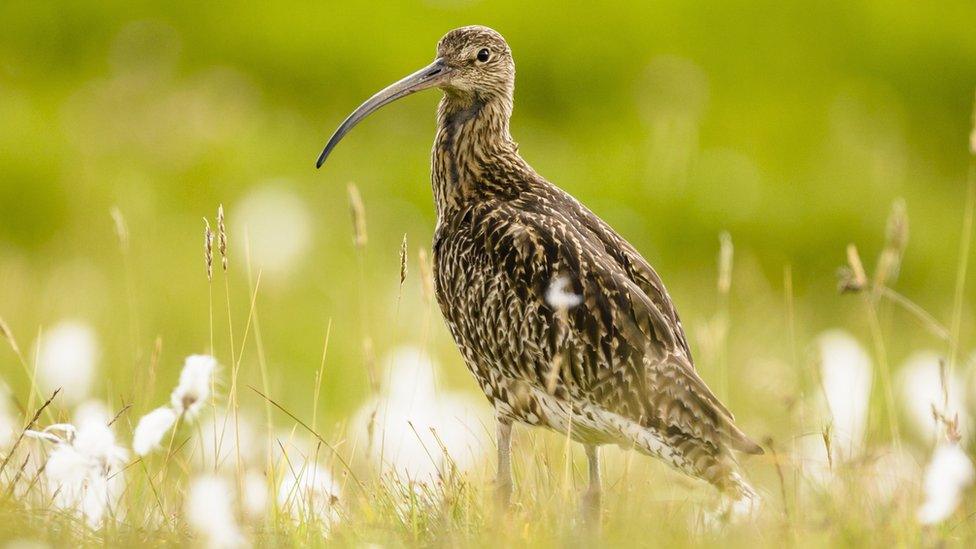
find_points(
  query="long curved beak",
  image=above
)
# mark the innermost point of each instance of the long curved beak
(427, 77)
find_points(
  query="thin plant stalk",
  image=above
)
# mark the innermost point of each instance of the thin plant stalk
(262, 359)
(962, 267)
(319, 375)
(881, 351)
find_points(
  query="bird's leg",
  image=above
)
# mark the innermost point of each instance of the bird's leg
(592, 496)
(504, 479)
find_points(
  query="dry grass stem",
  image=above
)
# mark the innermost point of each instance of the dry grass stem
(358, 216)
(962, 268)
(29, 426)
(335, 452)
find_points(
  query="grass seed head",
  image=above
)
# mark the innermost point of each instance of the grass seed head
(208, 241)
(403, 259)
(222, 236)
(358, 216)
(852, 278)
(896, 240)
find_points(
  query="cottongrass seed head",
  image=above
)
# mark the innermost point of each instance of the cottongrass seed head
(947, 476)
(67, 358)
(194, 387)
(926, 389)
(151, 428)
(309, 493)
(255, 494)
(277, 227)
(560, 296)
(420, 433)
(186, 401)
(84, 471)
(845, 372)
(209, 511)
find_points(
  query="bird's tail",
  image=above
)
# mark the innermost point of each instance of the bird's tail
(739, 500)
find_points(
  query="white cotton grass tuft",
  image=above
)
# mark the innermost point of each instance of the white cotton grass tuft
(845, 372)
(559, 294)
(922, 389)
(84, 471)
(186, 401)
(255, 494)
(92, 411)
(194, 387)
(947, 475)
(209, 511)
(278, 227)
(309, 493)
(96, 440)
(67, 358)
(417, 432)
(151, 429)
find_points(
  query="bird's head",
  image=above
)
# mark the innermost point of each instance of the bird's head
(472, 62)
(479, 62)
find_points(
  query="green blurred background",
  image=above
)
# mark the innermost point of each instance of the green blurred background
(791, 125)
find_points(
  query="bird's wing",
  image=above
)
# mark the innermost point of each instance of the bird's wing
(623, 349)
(633, 264)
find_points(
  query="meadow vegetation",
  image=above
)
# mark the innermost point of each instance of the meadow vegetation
(277, 373)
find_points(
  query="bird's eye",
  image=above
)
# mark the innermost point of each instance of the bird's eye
(483, 55)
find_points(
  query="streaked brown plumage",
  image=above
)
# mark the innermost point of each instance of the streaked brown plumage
(608, 362)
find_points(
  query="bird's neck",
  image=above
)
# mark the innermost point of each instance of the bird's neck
(472, 139)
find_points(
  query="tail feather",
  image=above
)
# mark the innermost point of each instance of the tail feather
(741, 442)
(740, 502)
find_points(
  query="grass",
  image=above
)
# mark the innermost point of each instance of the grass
(869, 498)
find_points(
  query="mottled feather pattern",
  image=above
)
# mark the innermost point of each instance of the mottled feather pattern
(615, 369)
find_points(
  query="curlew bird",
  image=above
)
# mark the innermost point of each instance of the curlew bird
(561, 321)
